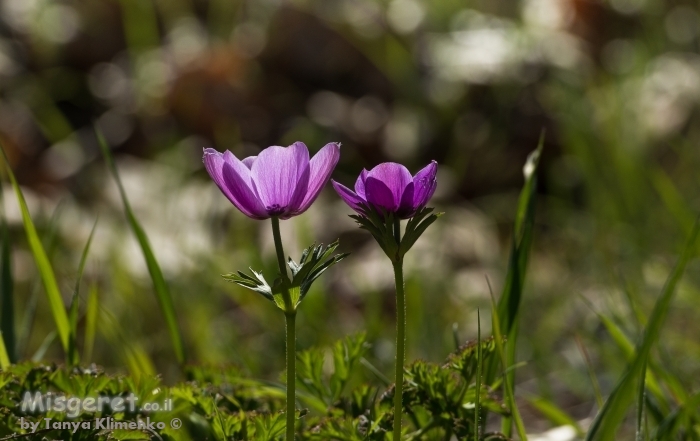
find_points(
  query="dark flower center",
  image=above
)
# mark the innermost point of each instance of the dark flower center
(275, 209)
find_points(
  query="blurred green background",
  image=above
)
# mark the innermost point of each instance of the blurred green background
(614, 83)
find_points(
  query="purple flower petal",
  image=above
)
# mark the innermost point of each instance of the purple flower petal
(320, 168)
(249, 161)
(215, 163)
(238, 167)
(360, 183)
(379, 195)
(243, 196)
(385, 185)
(298, 196)
(301, 153)
(425, 185)
(349, 196)
(275, 175)
(236, 187)
(406, 208)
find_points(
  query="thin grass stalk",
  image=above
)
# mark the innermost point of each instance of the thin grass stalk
(46, 272)
(165, 300)
(7, 306)
(508, 388)
(479, 363)
(615, 409)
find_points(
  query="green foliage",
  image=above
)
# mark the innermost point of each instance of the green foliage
(554, 414)
(4, 357)
(415, 227)
(443, 398)
(509, 303)
(165, 300)
(508, 386)
(50, 241)
(7, 304)
(91, 316)
(315, 260)
(255, 283)
(53, 293)
(506, 313)
(68, 382)
(230, 407)
(73, 357)
(605, 425)
(327, 390)
(223, 403)
(382, 226)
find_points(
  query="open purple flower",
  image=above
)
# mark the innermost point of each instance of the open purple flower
(390, 186)
(280, 181)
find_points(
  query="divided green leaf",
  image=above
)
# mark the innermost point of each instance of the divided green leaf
(315, 260)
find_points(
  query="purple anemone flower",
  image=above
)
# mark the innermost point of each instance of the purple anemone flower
(390, 186)
(280, 181)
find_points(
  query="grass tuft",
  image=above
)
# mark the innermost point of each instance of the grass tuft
(615, 408)
(165, 300)
(46, 272)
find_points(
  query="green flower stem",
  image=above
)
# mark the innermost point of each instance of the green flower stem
(280, 261)
(290, 319)
(397, 262)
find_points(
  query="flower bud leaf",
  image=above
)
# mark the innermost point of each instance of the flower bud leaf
(314, 261)
(256, 283)
(380, 224)
(415, 227)
(279, 288)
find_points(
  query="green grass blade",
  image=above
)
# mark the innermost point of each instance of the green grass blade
(591, 371)
(73, 356)
(667, 428)
(91, 315)
(27, 322)
(671, 380)
(627, 348)
(507, 427)
(615, 408)
(133, 352)
(377, 373)
(4, 358)
(44, 346)
(672, 199)
(554, 414)
(58, 309)
(640, 405)
(508, 390)
(479, 367)
(509, 303)
(455, 334)
(7, 304)
(162, 293)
